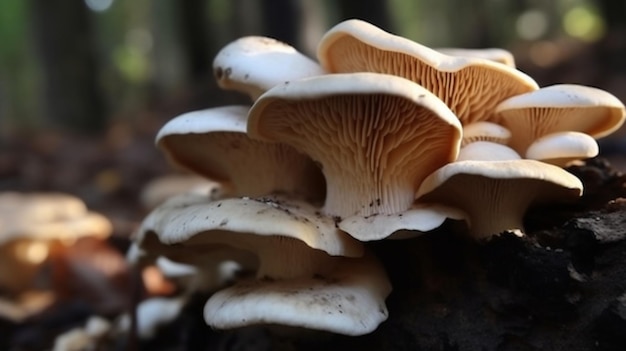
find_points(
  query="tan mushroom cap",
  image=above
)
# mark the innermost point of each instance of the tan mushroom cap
(48, 216)
(563, 148)
(349, 301)
(557, 108)
(498, 55)
(470, 86)
(254, 64)
(496, 194)
(213, 143)
(376, 136)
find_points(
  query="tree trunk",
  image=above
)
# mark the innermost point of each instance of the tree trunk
(64, 41)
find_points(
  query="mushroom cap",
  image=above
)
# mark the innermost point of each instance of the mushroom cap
(254, 64)
(496, 194)
(485, 131)
(48, 216)
(498, 55)
(557, 108)
(470, 86)
(190, 220)
(213, 143)
(487, 151)
(376, 136)
(562, 148)
(350, 301)
(419, 219)
(160, 189)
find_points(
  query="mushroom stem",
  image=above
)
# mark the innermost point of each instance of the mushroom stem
(369, 196)
(288, 258)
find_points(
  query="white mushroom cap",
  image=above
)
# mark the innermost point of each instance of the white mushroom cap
(558, 108)
(562, 148)
(496, 194)
(254, 64)
(350, 300)
(498, 55)
(156, 312)
(487, 151)
(213, 143)
(160, 189)
(485, 131)
(470, 86)
(418, 219)
(376, 136)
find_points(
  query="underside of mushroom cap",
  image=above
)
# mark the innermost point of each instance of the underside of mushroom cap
(254, 64)
(349, 301)
(496, 194)
(376, 136)
(559, 108)
(213, 144)
(471, 87)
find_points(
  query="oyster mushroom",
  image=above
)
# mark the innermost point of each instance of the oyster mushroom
(559, 108)
(563, 148)
(253, 64)
(298, 250)
(496, 194)
(485, 131)
(32, 224)
(487, 151)
(213, 143)
(375, 135)
(470, 86)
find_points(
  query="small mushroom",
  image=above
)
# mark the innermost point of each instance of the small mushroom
(498, 55)
(559, 108)
(563, 148)
(213, 143)
(375, 135)
(31, 224)
(160, 189)
(254, 64)
(485, 131)
(487, 151)
(470, 86)
(349, 300)
(496, 194)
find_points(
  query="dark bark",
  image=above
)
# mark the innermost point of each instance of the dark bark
(64, 40)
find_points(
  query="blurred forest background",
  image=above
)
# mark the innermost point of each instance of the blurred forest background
(86, 84)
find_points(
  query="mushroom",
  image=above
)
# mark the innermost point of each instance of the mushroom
(485, 131)
(298, 250)
(563, 148)
(349, 300)
(32, 224)
(496, 194)
(493, 54)
(160, 189)
(470, 86)
(213, 143)
(253, 64)
(558, 108)
(487, 151)
(375, 135)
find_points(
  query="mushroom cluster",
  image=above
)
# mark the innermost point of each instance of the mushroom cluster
(380, 138)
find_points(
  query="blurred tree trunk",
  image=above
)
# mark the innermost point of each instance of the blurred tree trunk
(281, 20)
(64, 42)
(375, 12)
(613, 47)
(194, 37)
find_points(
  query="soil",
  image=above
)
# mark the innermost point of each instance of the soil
(560, 287)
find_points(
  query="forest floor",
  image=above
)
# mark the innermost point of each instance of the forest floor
(561, 287)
